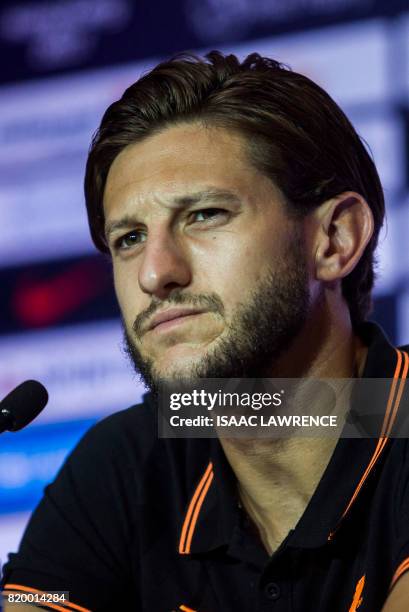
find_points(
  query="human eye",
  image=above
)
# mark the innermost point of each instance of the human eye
(209, 214)
(129, 240)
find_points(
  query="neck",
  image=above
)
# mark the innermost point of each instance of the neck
(276, 480)
(277, 477)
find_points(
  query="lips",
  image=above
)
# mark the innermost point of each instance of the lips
(169, 315)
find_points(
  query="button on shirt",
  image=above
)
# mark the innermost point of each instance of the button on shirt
(272, 591)
(137, 523)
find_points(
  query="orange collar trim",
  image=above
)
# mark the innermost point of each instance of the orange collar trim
(193, 510)
(395, 396)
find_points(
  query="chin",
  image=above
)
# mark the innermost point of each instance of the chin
(180, 356)
(183, 369)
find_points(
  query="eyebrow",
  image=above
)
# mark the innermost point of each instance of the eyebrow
(207, 196)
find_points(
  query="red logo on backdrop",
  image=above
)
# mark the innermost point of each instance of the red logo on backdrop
(39, 303)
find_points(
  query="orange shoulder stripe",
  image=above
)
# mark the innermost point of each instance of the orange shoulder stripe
(186, 609)
(26, 589)
(193, 510)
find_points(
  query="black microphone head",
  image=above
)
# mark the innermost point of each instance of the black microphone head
(23, 404)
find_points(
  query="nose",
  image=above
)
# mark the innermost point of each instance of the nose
(164, 265)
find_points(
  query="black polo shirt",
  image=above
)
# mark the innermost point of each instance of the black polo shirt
(136, 523)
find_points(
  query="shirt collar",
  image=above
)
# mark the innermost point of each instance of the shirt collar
(212, 517)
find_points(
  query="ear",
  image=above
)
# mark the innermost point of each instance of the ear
(345, 226)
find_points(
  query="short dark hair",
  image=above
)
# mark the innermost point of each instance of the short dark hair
(296, 134)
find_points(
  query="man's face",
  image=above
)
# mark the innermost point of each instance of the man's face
(192, 225)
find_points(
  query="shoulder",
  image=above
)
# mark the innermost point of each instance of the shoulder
(126, 446)
(109, 458)
(115, 435)
(138, 419)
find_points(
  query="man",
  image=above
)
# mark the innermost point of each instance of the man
(241, 212)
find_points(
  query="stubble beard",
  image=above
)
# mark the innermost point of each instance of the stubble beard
(262, 327)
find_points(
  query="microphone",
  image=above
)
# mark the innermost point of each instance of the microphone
(22, 405)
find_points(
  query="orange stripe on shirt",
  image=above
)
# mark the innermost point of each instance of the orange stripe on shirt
(388, 421)
(401, 386)
(386, 428)
(403, 567)
(26, 589)
(186, 609)
(358, 599)
(390, 415)
(196, 513)
(392, 393)
(191, 508)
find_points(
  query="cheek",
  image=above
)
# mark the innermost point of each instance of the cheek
(233, 275)
(245, 265)
(123, 290)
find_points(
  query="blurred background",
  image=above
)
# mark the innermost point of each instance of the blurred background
(62, 63)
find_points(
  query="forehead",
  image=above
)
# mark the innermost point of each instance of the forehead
(180, 159)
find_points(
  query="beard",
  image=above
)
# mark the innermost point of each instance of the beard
(262, 326)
